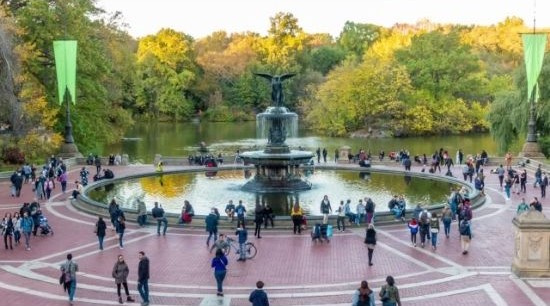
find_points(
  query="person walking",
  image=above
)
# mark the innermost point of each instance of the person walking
(142, 213)
(158, 213)
(8, 229)
(258, 297)
(268, 215)
(363, 296)
(296, 214)
(326, 209)
(447, 218)
(389, 294)
(434, 230)
(325, 155)
(120, 274)
(341, 217)
(70, 268)
(543, 185)
(500, 173)
(219, 263)
(413, 228)
(143, 278)
(242, 235)
(424, 224)
(370, 240)
(120, 228)
(523, 181)
(465, 236)
(27, 224)
(100, 228)
(211, 226)
(259, 220)
(369, 209)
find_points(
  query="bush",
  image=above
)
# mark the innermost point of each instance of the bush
(12, 155)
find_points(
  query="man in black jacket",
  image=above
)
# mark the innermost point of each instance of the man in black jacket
(143, 278)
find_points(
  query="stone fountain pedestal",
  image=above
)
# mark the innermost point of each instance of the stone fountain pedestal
(532, 245)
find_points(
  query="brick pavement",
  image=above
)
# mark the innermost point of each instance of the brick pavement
(295, 270)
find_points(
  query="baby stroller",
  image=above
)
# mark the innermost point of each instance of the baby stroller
(321, 232)
(45, 228)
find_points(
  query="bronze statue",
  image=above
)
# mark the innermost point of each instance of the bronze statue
(276, 86)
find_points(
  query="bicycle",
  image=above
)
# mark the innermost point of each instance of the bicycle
(249, 248)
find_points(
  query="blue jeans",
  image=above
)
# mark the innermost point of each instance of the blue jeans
(210, 234)
(142, 220)
(447, 225)
(358, 218)
(100, 239)
(120, 235)
(72, 290)
(242, 252)
(159, 221)
(143, 289)
(507, 190)
(220, 276)
(434, 239)
(27, 238)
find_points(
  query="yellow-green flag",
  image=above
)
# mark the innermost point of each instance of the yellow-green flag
(533, 52)
(65, 67)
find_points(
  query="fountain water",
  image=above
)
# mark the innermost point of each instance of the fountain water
(277, 167)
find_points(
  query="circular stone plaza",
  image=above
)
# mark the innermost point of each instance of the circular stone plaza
(296, 270)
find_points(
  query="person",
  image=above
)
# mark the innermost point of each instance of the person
(424, 224)
(160, 167)
(70, 268)
(258, 297)
(100, 227)
(360, 211)
(240, 210)
(158, 214)
(120, 274)
(413, 228)
(242, 235)
(543, 185)
(325, 155)
(143, 278)
(363, 296)
(142, 213)
(370, 240)
(230, 210)
(318, 152)
(120, 228)
(259, 220)
(296, 214)
(219, 263)
(97, 162)
(220, 244)
(114, 212)
(535, 204)
(434, 230)
(500, 173)
(447, 218)
(522, 207)
(538, 176)
(390, 291)
(465, 236)
(84, 176)
(349, 214)
(211, 226)
(369, 209)
(77, 189)
(523, 181)
(27, 224)
(341, 211)
(268, 215)
(8, 230)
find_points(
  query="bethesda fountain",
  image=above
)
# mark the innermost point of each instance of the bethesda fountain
(277, 166)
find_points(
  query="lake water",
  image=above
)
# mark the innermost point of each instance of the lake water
(146, 139)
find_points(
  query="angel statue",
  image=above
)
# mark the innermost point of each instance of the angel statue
(276, 86)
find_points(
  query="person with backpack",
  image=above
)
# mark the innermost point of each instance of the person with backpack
(434, 230)
(424, 225)
(363, 296)
(447, 218)
(389, 294)
(465, 236)
(413, 228)
(69, 269)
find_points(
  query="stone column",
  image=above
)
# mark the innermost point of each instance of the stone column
(532, 245)
(344, 152)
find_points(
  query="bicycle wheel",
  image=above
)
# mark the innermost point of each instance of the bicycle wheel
(227, 250)
(250, 250)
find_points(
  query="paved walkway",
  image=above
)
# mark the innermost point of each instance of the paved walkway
(295, 270)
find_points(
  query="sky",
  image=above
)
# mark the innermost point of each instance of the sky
(199, 18)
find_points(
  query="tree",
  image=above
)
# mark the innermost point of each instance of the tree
(356, 38)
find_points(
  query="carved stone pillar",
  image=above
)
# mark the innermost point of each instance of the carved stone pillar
(532, 245)
(344, 152)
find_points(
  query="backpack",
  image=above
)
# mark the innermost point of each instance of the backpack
(424, 217)
(465, 214)
(364, 299)
(65, 275)
(463, 229)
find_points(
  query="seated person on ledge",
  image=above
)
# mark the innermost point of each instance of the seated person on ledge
(107, 174)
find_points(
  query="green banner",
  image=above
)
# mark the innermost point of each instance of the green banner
(533, 52)
(65, 67)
